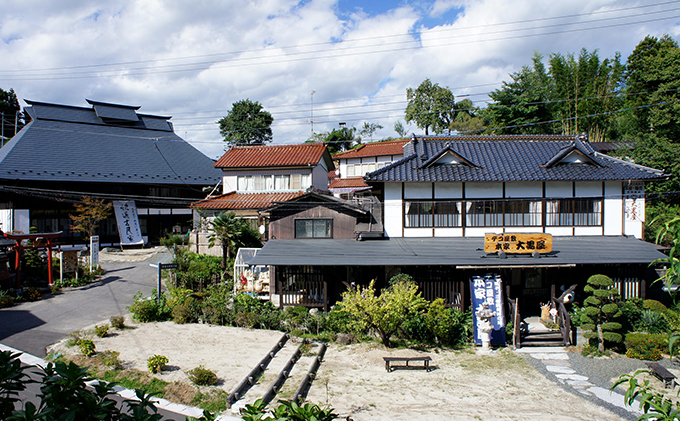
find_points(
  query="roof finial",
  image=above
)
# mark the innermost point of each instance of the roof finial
(414, 139)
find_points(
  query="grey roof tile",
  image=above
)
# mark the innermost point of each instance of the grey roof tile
(66, 143)
(508, 158)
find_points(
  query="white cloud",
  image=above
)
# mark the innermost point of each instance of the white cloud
(193, 60)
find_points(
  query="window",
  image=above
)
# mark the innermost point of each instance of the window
(502, 213)
(281, 182)
(484, 213)
(350, 170)
(305, 181)
(245, 183)
(573, 212)
(313, 228)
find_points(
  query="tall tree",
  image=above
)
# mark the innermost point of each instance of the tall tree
(430, 106)
(247, 123)
(571, 96)
(400, 129)
(368, 129)
(10, 113)
(232, 233)
(653, 94)
(89, 214)
(338, 140)
(467, 119)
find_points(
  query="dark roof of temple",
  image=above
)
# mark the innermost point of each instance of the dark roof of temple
(107, 143)
(508, 158)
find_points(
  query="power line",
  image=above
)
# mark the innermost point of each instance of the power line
(238, 62)
(332, 43)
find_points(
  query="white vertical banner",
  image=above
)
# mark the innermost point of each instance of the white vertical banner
(94, 252)
(128, 223)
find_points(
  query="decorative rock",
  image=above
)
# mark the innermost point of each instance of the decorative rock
(346, 338)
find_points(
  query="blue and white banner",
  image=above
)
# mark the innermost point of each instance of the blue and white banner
(128, 223)
(489, 289)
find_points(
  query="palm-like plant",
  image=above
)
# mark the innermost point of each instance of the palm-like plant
(232, 232)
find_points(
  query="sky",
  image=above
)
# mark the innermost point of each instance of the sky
(313, 64)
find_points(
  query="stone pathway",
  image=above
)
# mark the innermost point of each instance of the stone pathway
(556, 361)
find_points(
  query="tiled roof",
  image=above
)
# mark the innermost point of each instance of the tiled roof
(241, 201)
(312, 199)
(391, 147)
(508, 158)
(273, 156)
(340, 183)
(65, 143)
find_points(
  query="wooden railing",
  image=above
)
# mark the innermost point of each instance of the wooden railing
(451, 292)
(563, 316)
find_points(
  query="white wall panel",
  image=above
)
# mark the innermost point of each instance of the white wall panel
(448, 190)
(522, 189)
(229, 183)
(393, 210)
(448, 232)
(558, 189)
(559, 231)
(588, 189)
(417, 190)
(479, 232)
(613, 208)
(483, 190)
(587, 230)
(418, 232)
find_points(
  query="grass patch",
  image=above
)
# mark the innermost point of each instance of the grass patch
(133, 379)
(214, 401)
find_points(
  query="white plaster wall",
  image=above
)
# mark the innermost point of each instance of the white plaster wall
(634, 223)
(524, 189)
(588, 189)
(393, 210)
(559, 231)
(613, 208)
(558, 189)
(417, 190)
(524, 229)
(480, 231)
(483, 190)
(418, 232)
(320, 176)
(448, 232)
(448, 190)
(229, 183)
(343, 168)
(587, 230)
(386, 158)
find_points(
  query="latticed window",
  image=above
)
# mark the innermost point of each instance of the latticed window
(313, 228)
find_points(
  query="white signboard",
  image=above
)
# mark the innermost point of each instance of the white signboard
(128, 223)
(94, 252)
(632, 192)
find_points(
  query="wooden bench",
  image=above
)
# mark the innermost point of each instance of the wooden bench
(390, 367)
(662, 374)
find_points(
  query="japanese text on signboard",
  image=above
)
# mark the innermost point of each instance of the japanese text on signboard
(517, 243)
(489, 290)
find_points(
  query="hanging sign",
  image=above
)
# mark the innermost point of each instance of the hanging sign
(128, 223)
(488, 290)
(521, 243)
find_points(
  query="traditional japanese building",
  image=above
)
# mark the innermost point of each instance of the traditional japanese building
(106, 151)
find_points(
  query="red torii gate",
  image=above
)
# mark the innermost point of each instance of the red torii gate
(37, 240)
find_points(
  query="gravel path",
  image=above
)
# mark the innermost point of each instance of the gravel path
(589, 378)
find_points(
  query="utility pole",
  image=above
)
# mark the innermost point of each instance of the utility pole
(3, 126)
(311, 119)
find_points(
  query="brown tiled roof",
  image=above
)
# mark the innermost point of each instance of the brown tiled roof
(392, 147)
(333, 175)
(272, 156)
(241, 201)
(340, 183)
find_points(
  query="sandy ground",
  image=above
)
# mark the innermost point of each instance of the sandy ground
(352, 378)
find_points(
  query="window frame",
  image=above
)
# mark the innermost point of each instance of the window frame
(328, 222)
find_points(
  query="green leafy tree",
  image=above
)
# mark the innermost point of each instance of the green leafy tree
(247, 123)
(600, 312)
(654, 404)
(89, 214)
(387, 311)
(671, 233)
(400, 129)
(368, 129)
(10, 112)
(232, 233)
(467, 118)
(341, 139)
(430, 106)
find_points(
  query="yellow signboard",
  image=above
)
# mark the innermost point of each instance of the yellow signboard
(518, 243)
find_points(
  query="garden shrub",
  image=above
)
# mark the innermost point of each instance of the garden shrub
(672, 320)
(645, 346)
(632, 311)
(6, 300)
(599, 318)
(157, 363)
(118, 322)
(652, 321)
(149, 309)
(202, 376)
(196, 271)
(654, 305)
(214, 306)
(177, 296)
(109, 358)
(248, 320)
(181, 314)
(101, 331)
(30, 294)
(86, 347)
(439, 325)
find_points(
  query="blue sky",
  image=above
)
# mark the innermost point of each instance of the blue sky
(192, 60)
